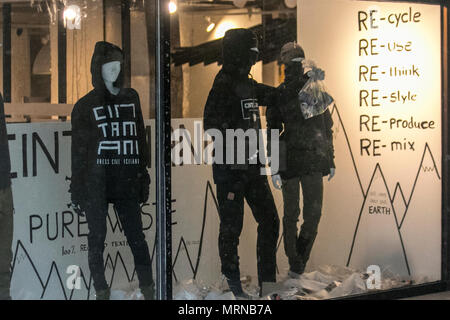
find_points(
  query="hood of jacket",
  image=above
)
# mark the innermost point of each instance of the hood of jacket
(105, 52)
(237, 52)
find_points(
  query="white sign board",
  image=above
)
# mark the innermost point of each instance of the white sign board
(49, 237)
(383, 67)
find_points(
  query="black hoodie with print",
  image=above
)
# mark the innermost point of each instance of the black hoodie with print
(109, 147)
(234, 99)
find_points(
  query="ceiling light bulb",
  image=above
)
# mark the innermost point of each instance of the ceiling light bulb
(72, 17)
(210, 27)
(70, 14)
(172, 7)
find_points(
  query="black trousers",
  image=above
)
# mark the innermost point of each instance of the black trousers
(129, 214)
(298, 246)
(230, 195)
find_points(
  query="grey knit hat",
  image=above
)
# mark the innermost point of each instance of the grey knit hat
(291, 50)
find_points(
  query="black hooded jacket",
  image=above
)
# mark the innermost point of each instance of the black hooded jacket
(109, 147)
(306, 145)
(5, 163)
(234, 99)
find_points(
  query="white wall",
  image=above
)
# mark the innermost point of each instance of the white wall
(328, 31)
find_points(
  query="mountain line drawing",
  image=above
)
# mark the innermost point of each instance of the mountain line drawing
(399, 217)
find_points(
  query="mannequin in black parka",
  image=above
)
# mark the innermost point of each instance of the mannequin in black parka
(306, 156)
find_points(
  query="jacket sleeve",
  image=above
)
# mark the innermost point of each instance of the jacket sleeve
(217, 115)
(80, 140)
(215, 112)
(143, 177)
(144, 153)
(274, 122)
(267, 95)
(329, 134)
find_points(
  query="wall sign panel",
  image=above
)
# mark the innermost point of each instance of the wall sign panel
(383, 67)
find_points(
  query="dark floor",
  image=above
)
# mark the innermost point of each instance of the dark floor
(434, 296)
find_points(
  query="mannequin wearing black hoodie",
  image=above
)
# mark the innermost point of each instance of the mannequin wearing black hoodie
(233, 103)
(6, 209)
(109, 165)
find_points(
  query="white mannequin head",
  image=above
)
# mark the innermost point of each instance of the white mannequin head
(110, 73)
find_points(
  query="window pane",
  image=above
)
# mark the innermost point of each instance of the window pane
(351, 199)
(80, 143)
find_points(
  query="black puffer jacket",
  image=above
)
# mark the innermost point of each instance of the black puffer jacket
(305, 145)
(234, 99)
(5, 163)
(109, 147)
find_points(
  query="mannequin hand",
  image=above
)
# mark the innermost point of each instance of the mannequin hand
(316, 74)
(276, 181)
(332, 173)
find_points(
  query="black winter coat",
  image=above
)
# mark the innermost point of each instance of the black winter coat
(233, 103)
(305, 145)
(109, 146)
